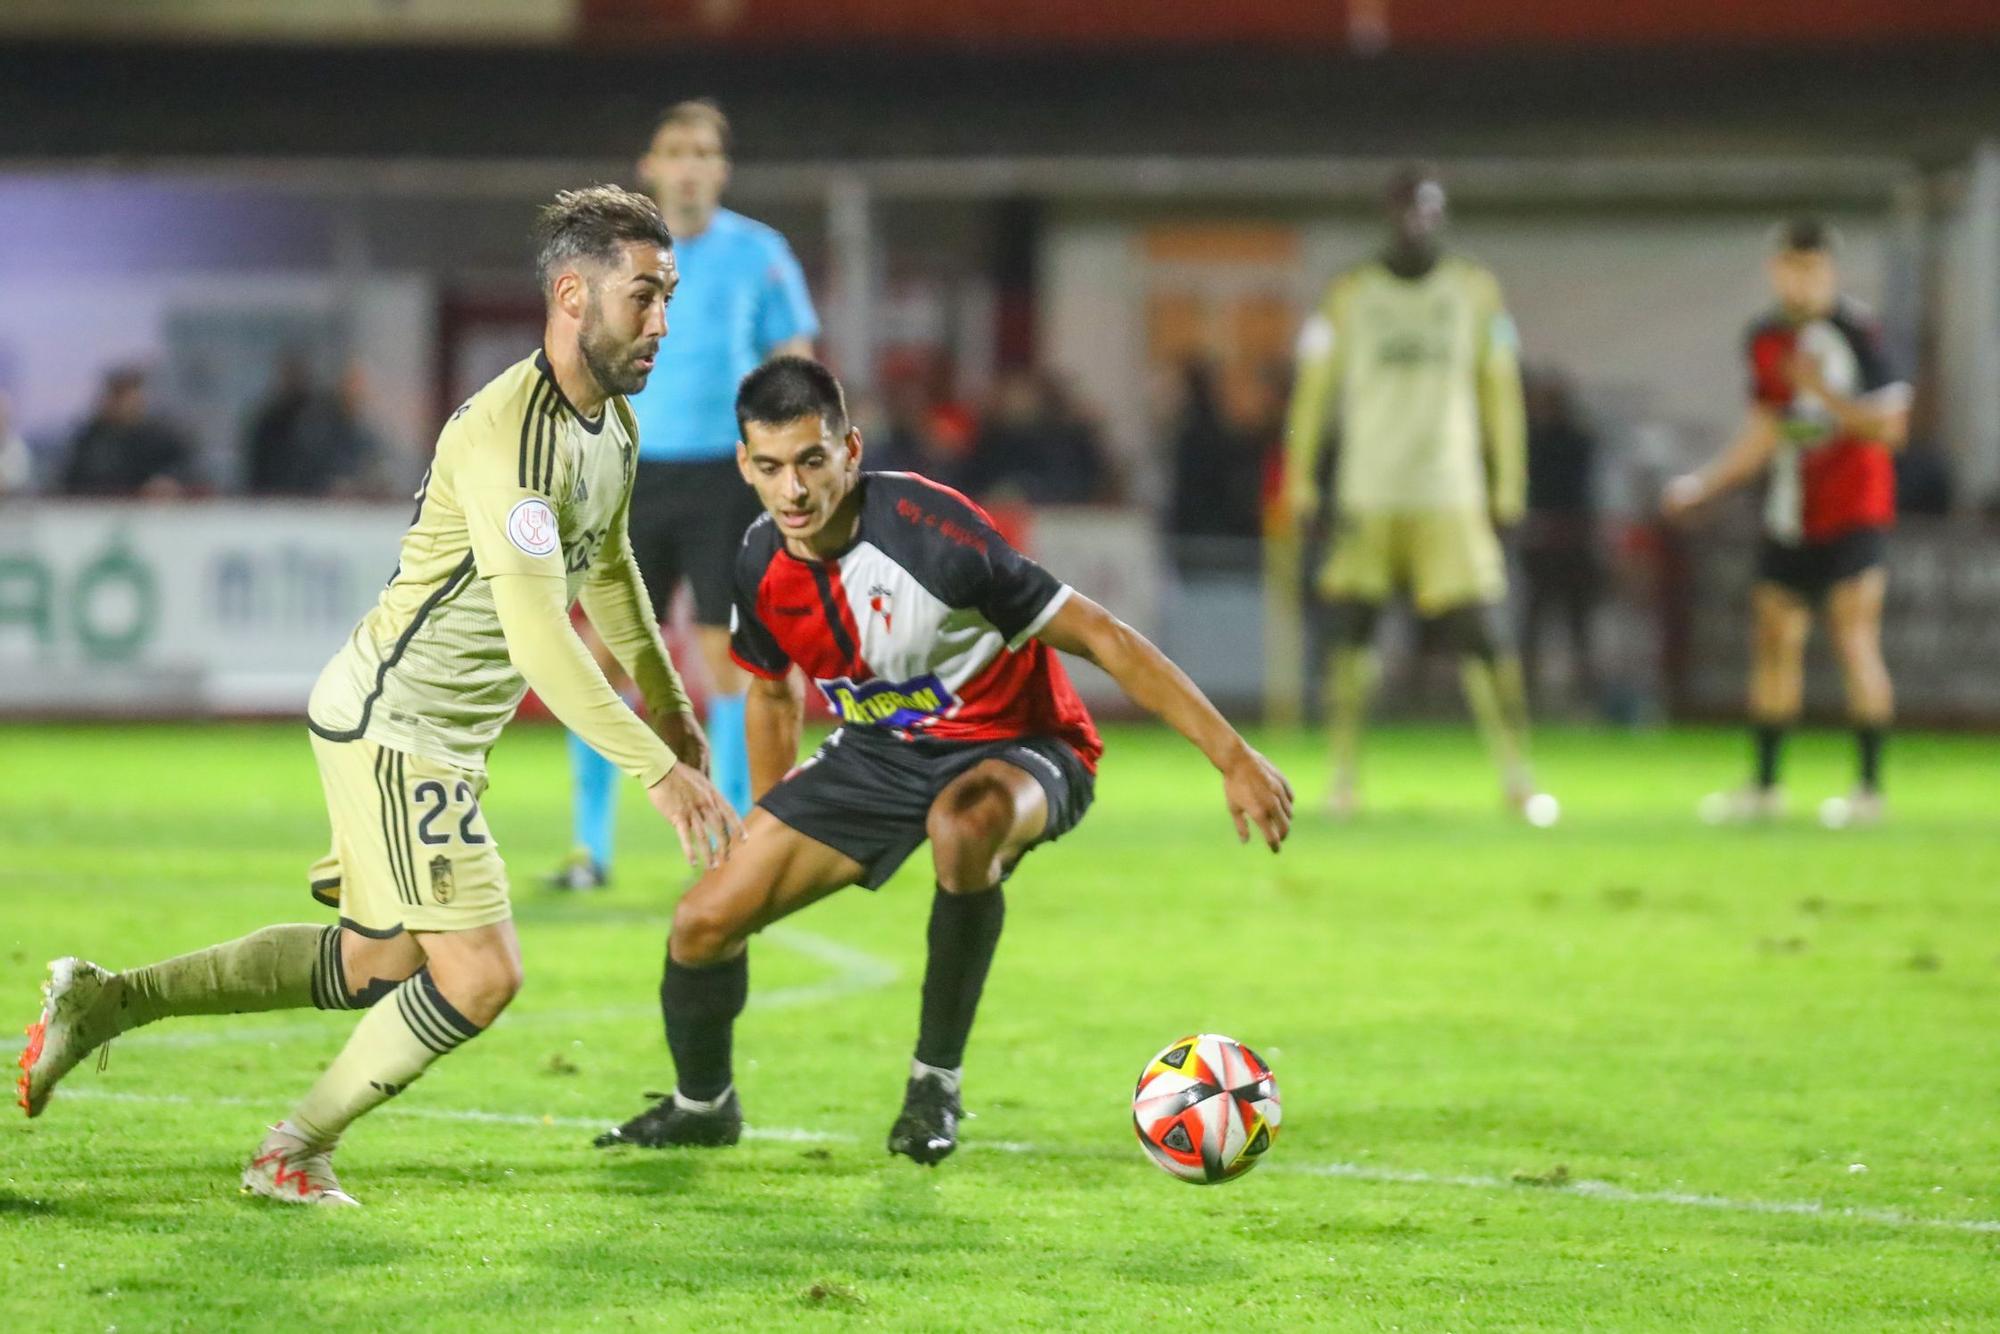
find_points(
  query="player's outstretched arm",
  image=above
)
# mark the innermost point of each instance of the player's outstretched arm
(552, 659)
(1257, 793)
(773, 716)
(1748, 455)
(615, 599)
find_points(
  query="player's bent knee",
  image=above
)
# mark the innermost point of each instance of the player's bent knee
(706, 930)
(481, 992)
(971, 822)
(478, 971)
(491, 987)
(982, 828)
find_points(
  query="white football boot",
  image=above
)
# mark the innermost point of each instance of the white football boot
(1859, 809)
(1744, 805)
(1527, 801)
(291, 1168)
(79, 1012)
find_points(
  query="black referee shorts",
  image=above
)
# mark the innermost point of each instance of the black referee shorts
(1809, 570)
(687, 522)
(869, 795)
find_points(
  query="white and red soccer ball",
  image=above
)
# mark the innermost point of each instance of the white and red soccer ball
(1206, 1108)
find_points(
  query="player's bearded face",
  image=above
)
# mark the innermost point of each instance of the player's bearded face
(619, 357)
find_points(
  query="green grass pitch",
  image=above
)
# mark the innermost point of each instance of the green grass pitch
(1625, 1073)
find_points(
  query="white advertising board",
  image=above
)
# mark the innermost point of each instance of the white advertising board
(225, 607)
(203, 608)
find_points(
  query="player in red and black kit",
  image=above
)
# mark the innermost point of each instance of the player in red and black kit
(932, 639)
(1825, 416)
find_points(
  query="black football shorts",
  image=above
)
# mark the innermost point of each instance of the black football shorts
(687, 522)
(868, 794)
(1811, 569)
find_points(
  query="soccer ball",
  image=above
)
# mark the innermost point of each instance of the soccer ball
(1206, 1108)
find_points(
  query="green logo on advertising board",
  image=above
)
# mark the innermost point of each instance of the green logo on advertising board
(110, 608)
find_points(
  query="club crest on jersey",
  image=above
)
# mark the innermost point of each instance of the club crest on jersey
(888, 703)
(881, 601)
(531, 526)
(443, 883)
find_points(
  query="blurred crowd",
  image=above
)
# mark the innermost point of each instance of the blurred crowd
(305, 438)
(1032, 441)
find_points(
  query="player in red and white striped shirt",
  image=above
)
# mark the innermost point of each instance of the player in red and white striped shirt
(935, 643)
(1825, 418)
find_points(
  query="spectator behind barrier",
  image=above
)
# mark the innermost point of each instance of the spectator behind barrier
(123, 451)
(1037, 445)
(923, 436)
(1559, 539)
(1219, 454)
(304, 441)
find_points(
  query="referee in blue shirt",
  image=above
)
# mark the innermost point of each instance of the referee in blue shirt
(742, 300)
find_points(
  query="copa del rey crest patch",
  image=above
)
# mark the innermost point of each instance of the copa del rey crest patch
(531, 526)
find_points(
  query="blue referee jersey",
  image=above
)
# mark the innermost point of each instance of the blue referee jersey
(741, 294)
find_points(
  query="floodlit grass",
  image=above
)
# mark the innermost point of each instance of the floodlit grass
(1473, 1023)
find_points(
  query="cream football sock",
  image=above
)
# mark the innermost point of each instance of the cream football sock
(1355, 671)
(278, 968)
(395, 1042)
(1498, 697)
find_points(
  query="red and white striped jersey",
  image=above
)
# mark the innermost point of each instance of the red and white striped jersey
(923, 627)
(1823, 483)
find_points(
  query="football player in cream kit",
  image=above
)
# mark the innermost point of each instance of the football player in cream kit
(522, 513)
(1409, 371)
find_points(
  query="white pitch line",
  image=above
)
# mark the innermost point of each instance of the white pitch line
(1603, 1190)
(473, 1115)
(856, 971)
(1600, 1191)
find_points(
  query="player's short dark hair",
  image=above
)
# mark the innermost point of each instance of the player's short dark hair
(696, 111)
(1807, 235)
(592, 223)
(784, 389)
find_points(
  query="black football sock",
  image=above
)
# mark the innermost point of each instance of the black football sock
(965, 930)
(1868, 740)
(700, 1006)
(1770, 741)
